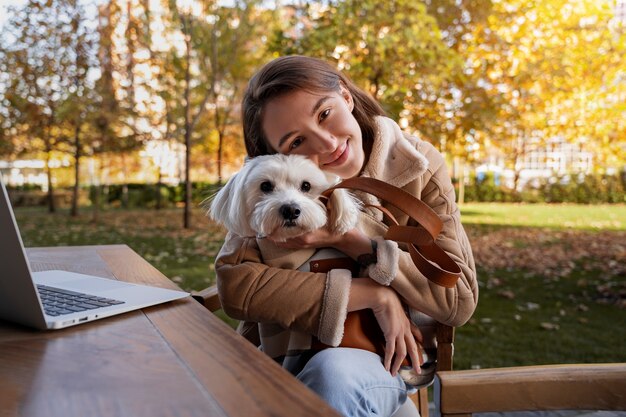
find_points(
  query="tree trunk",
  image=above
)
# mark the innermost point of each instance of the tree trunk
(517, 169)
(158, 190)
(186, 212)
(51, 204)
(96, 196)
(96, 204)
(74, 211)
(219, 156)
(124, 196)
(461, 179)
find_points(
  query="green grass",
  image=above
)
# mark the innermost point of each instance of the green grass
(525, 317)
(548, 321)
(556, 216)
(522, 318)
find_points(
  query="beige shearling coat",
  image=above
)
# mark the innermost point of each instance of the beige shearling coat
(315, 304)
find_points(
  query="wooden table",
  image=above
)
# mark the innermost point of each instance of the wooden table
(176, 359)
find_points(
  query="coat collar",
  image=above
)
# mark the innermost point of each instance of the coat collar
(394, 157)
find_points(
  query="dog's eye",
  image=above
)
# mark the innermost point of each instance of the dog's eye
(305, 187)
(267, 187)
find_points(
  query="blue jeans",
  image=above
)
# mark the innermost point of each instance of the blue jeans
(354, 382)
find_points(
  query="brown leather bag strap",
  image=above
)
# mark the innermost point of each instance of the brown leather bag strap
(428, 257)
(411, 206)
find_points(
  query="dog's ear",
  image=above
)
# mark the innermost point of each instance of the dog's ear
(343, 207)
(343, 211)
(228, 206)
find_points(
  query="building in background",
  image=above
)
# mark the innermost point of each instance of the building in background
(32, 172)
(557, 158)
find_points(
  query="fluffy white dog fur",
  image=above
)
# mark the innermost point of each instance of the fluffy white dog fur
(279, 196)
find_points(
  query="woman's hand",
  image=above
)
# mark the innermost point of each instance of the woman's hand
(353, 243)
(319, 238)
(400, 334)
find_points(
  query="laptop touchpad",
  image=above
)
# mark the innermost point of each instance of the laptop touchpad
(93, 285)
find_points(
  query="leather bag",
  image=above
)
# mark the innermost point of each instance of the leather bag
(361, 329)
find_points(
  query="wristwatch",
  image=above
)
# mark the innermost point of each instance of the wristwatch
(367, 259)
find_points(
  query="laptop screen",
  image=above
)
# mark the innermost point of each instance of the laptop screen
(19, 301)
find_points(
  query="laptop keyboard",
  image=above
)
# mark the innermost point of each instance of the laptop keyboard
(57, 302)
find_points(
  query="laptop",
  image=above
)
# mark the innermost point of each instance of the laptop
(58, 299)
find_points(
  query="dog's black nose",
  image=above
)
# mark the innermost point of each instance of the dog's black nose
(290, 211)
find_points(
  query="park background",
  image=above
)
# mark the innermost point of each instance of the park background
(119, 117)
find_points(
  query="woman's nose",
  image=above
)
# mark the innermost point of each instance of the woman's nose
(325, 142)
(321, 144)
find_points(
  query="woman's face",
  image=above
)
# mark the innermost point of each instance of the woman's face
(319, 126)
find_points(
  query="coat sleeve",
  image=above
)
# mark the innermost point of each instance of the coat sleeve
(249, 290)
(452, 306)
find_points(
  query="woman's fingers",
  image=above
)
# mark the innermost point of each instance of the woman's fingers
(402, 337)
(400, 345)
(317, 238)
(415, 354)
(399, 356)
(390, 350)
(417, 333)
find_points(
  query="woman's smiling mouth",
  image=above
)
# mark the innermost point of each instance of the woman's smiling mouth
(339, 156)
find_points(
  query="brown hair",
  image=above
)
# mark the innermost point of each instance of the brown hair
(293, 73)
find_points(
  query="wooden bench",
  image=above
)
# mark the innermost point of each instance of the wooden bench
(531, 388)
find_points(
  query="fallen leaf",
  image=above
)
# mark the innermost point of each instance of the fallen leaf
(549, 326)
(494, 282)
(507, 294)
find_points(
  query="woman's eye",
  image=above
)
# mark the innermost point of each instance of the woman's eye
(324, 114)
(267, 187)
(297, 142)
(305, 187)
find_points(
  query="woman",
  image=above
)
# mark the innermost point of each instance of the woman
(302, 105)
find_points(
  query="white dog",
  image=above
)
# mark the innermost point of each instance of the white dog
(278, 196)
